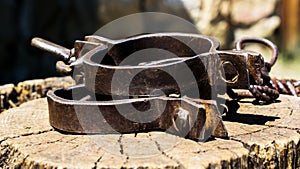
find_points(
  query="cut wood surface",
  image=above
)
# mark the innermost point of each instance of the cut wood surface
(13, 95)
(265, 136)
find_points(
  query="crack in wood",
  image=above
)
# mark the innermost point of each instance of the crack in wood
(253, 132)
(273, 153)
(24, 135)
(245, 145)
(96, 163)
(122, 150)
(291, 113)
(164, 154)
(49, 142)
(275, 144)
(121, 145)
(284, 127)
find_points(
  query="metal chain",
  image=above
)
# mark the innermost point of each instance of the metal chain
(265, 92)
(286, 86)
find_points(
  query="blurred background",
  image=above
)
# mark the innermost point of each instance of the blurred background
(64, 21)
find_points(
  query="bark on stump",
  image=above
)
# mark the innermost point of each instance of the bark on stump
(260, 137)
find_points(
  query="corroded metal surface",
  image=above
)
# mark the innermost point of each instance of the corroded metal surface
(265, 91)
(195, 119)
(94, 62)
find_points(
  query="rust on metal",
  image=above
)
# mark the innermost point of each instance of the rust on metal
(264, 91)
(94, 62)
(61, 52)
(92, 115)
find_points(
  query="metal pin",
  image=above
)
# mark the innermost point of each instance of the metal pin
(61, 52)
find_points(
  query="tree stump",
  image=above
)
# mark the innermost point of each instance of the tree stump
(261, 136)
(13, 95)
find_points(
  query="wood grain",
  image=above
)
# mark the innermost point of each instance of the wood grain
(265, 136)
